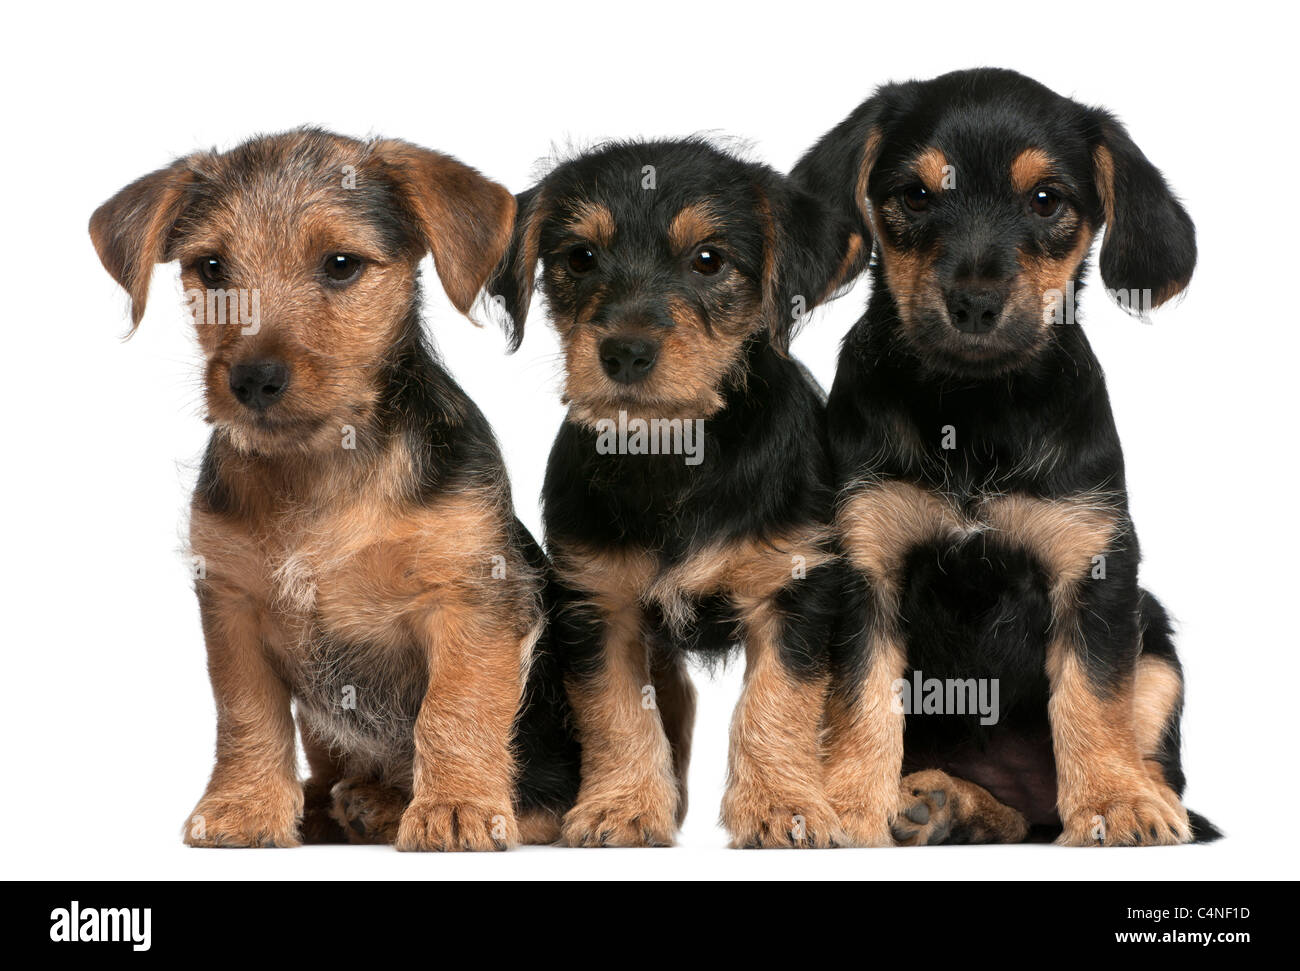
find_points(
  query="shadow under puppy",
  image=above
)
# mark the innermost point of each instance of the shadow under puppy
(688, 494)
(984, 508)
(359, 553)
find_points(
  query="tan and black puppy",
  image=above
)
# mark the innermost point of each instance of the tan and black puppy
(688, 494)
(983, 504)
(357, 552)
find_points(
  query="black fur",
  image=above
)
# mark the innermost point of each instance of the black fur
(765, 470)
(1033, 419)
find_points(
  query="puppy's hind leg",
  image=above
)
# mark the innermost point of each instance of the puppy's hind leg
(367, 810)
(1158, 709)
(938, 808)
(675, 696)
(318, 825)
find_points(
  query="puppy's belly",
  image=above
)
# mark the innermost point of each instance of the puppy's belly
(976, 617)
(710, 629)
(363, 700)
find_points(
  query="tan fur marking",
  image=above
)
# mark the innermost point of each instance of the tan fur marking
(1030, 168)
(751, 572)
(775, 791)
(593, 222)
(1104, 168)
(464, 768)
(686, 384)
(1041, 276)
(628, 795)
(1064, 535)
(633, 751)
(870, 153)
(931, 167)
(1105, 793)
(864, 735)
(852, 254)
(253, 797)
(863, 743)
(539, 828)
(1157, 694)
(882, 522)
(694, 224)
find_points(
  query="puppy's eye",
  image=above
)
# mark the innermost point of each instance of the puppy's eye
(211, 272)
(1045, 203)
(707, 260)
(916, 198)
(581, 260)
(342, 268)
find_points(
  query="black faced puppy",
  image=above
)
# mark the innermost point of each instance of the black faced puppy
(357, 553)
(688, 494)
(983, 507)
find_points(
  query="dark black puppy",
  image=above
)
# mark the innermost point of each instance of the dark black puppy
(984, 508)
(688, 495)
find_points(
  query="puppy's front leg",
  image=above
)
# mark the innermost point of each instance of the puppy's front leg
(464, 768)
(775, 789)
(1106, 795)
(254, 797)
(629, 794)
(864, 726)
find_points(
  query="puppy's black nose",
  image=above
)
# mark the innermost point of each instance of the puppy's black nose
(259, 384)
(628, 361)
(973, 310)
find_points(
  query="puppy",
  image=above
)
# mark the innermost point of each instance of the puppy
(983, 504)
(357, 553)
(688, 494)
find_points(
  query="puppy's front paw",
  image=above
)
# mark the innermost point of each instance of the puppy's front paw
(368, 812)
(762, 820)
(238, 819)
(1148, 817)
(868, 826)
(626, 822)
(444, 826)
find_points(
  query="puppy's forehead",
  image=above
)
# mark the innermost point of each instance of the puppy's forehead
(988, 130)
(300, 188)
(646, 191)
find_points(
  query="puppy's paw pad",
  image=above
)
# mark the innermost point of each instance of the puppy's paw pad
(368, 812)
(925, 818)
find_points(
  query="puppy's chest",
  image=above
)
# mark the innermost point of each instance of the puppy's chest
(337, 575)
(884, 524)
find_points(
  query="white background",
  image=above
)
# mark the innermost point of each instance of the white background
(107, 721)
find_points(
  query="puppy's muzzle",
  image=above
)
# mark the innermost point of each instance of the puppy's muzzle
(259, 384)
(628, 360)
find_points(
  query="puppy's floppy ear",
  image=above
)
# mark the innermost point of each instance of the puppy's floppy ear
(131, 231)
(510, 290)
(1150, 242)
(808, 248)
(837, 169)
(462, 217)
